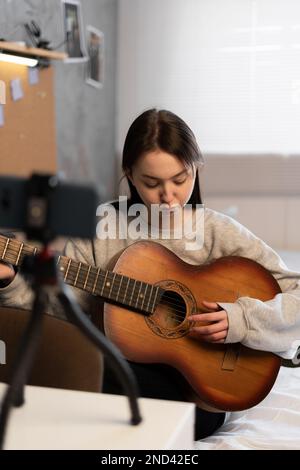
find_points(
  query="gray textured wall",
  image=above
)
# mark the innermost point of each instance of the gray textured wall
(85, 115)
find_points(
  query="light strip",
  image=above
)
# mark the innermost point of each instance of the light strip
(16, 59)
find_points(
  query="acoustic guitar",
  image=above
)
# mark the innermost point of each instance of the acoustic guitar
(150, 292)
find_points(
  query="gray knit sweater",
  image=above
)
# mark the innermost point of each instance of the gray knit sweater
(271, 326)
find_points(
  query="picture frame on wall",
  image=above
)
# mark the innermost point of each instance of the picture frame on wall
(95, 49)
(73, 31)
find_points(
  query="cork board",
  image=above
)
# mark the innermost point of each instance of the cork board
(27, 139)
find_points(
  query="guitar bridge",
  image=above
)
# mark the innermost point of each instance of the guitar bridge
(231, 356)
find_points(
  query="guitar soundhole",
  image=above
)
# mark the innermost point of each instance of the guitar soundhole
(171, 310)
(169, 317)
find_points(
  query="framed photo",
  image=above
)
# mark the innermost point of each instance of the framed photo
(95, 49)
(73, 27)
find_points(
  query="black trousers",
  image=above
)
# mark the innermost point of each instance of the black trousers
(163, 382)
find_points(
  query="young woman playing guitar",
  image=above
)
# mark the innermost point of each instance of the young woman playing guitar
(161, 161)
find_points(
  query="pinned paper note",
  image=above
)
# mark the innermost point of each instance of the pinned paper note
(1, 116)
(2, 92)
(16, 89)
(33, 75)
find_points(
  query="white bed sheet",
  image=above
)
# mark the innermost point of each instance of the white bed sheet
(274, 424)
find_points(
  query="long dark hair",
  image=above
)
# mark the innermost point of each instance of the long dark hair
(162, 130)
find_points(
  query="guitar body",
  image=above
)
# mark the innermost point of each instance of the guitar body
(219, 376)
(148, 319)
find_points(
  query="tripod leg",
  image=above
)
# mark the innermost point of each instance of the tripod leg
(14, 394)
(118, 364)
(19, 398)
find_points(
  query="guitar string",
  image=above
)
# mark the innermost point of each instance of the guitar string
(28, 250)
(167, 299)
(117, 292)
(100, 275)
(82, 276)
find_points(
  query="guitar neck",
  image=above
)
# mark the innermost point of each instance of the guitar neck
(110, 286)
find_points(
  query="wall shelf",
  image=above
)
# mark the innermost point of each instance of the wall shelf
(31, 51)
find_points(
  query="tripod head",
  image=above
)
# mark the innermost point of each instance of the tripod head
(44, 207)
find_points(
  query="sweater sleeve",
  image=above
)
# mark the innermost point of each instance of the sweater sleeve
(273, 325)
(17, 294)
(18, 285)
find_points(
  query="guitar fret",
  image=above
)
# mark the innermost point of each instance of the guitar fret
(149, 295)
(61, 263)
(107, 284)
(19, 254)
(144, 296)
(96, 279)
(132, 292)
(5, 248)
(154, 302)
(138, 296)
(121, 280)
(87, 276)
(103, 285)
(68, 267)
(76, 278)
(112, 283)
(126, 289)
(95, 283)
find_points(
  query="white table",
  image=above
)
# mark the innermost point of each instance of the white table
(64, 419)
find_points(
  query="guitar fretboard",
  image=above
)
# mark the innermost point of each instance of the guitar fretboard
(111, 286)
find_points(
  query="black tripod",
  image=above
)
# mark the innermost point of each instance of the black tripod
(42, 274)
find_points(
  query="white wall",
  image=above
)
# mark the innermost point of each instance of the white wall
(231, 68)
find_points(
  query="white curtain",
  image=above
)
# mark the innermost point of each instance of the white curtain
(230, 68)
